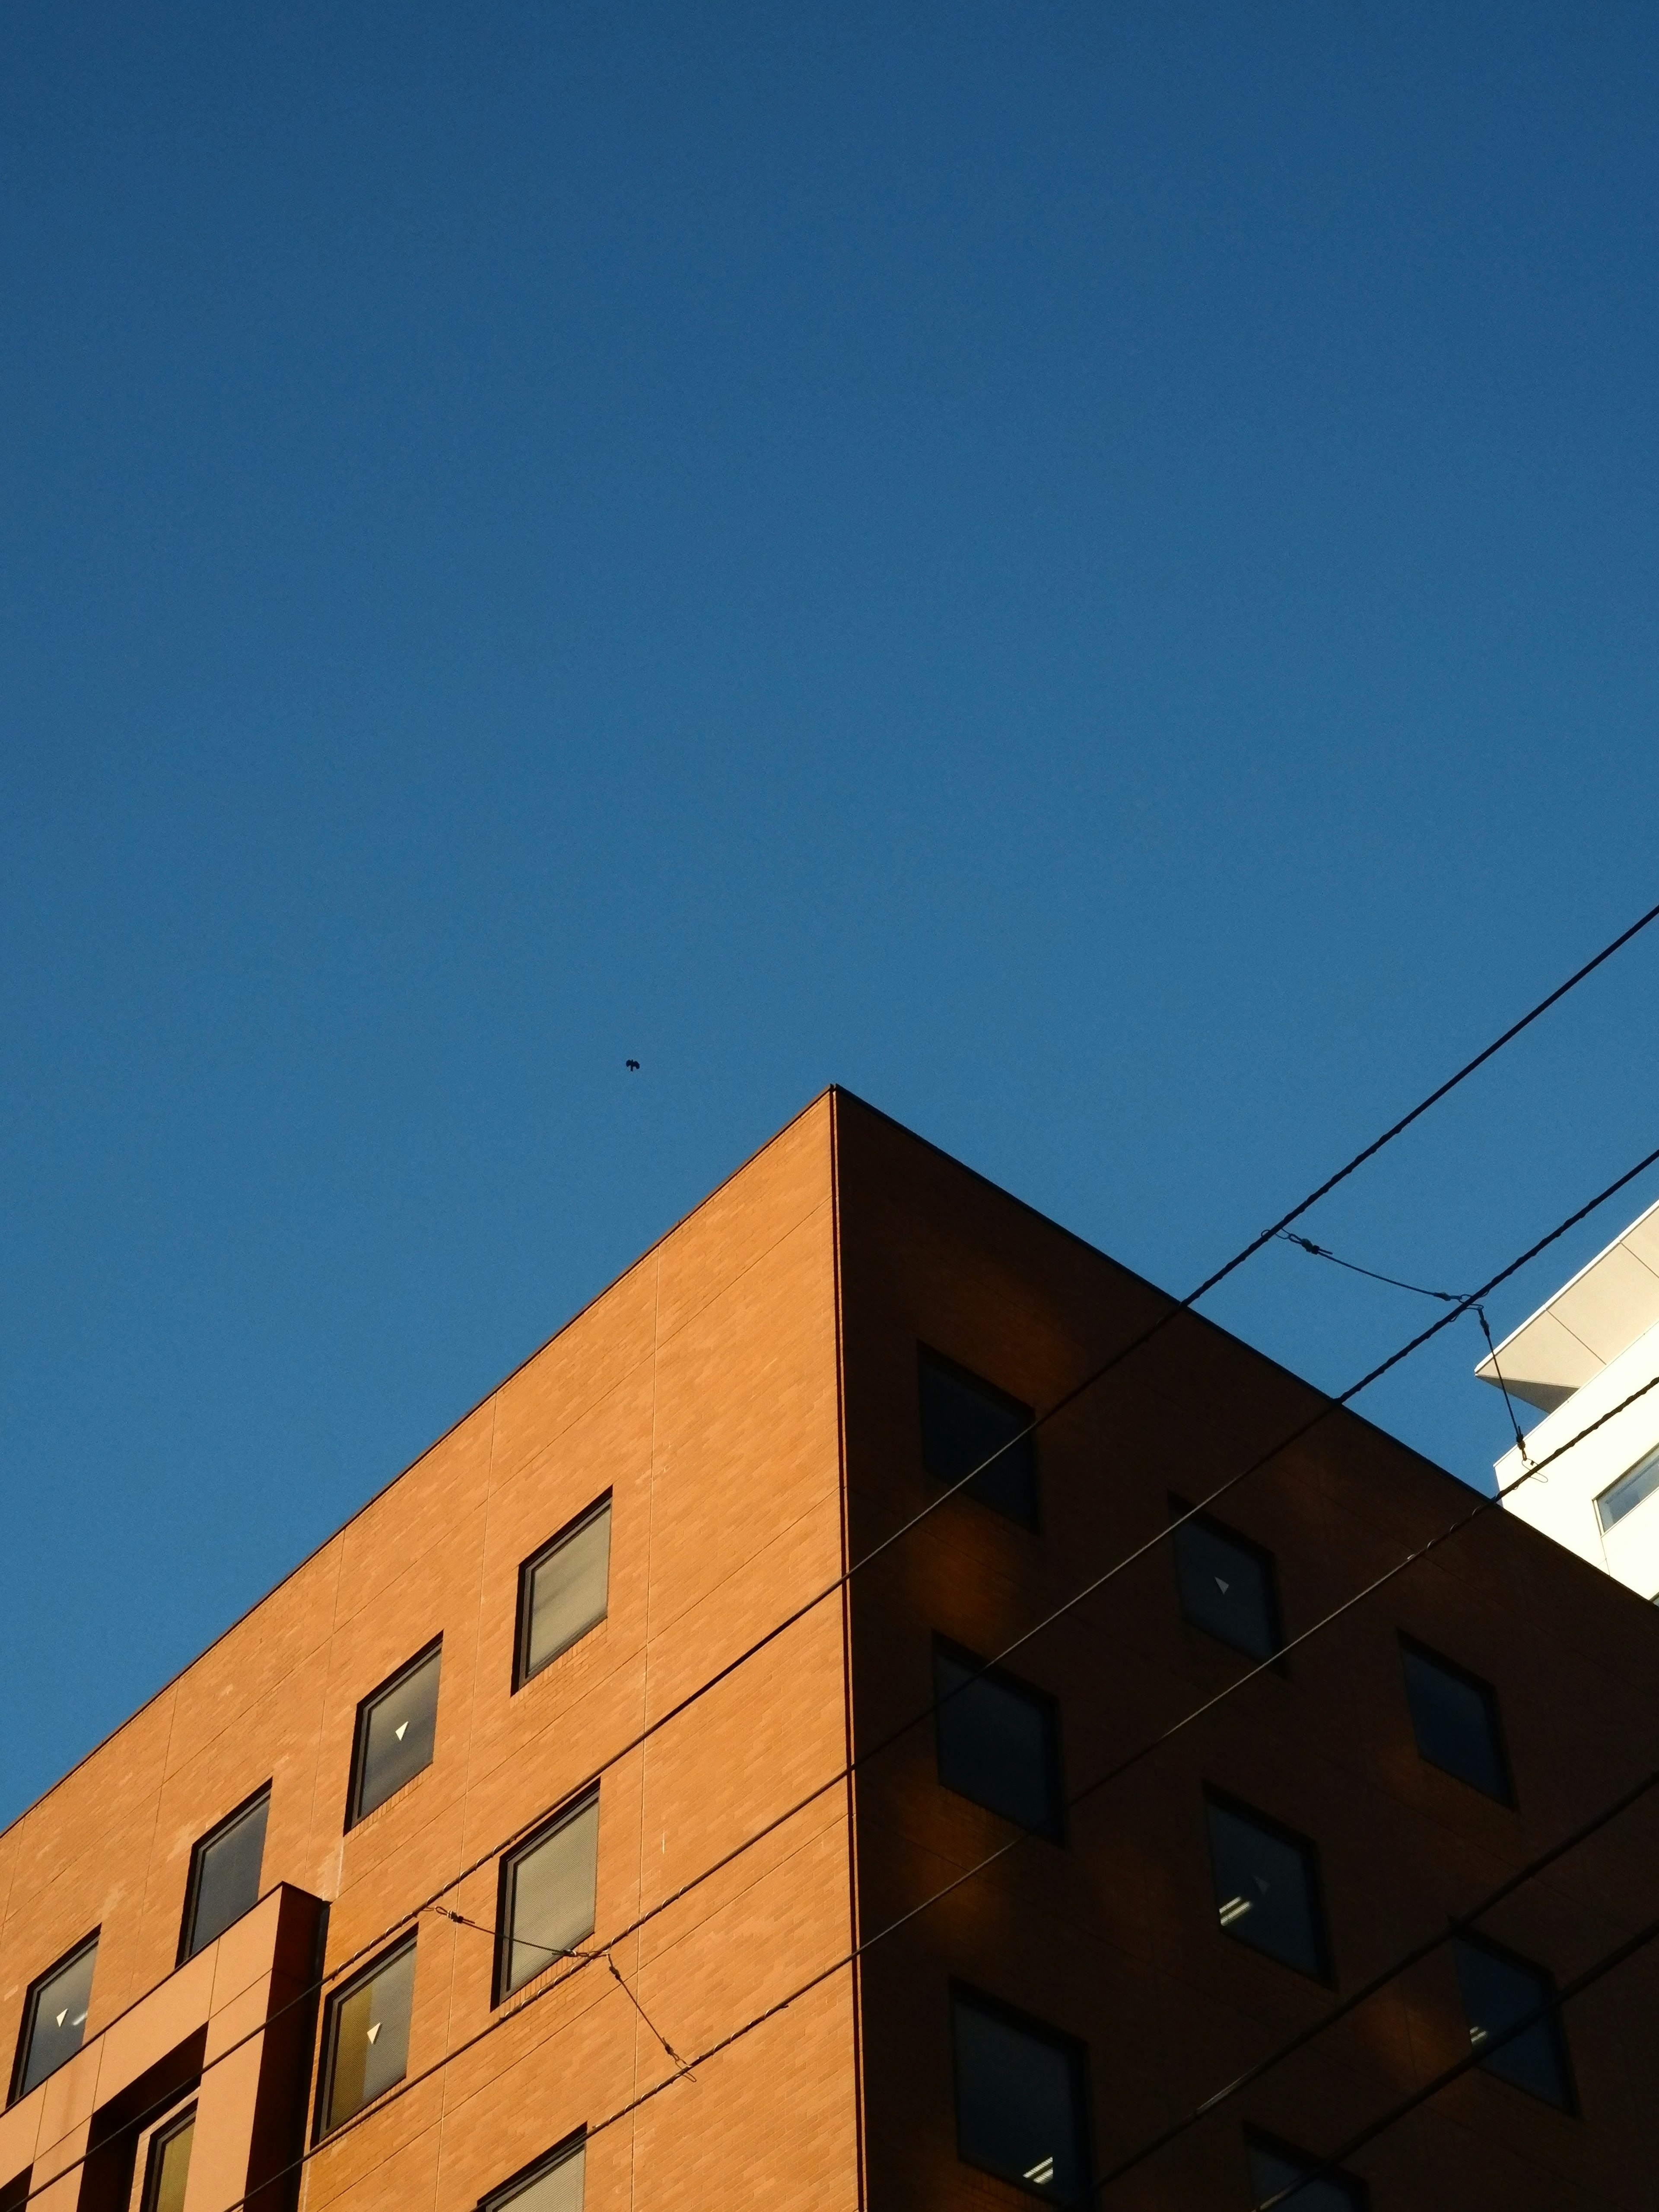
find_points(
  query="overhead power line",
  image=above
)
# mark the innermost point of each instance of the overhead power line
(779, 1628)
(686, 2067)
(1329, 1405)
(1495, 2041)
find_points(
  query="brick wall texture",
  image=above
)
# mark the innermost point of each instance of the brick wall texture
(747, 1395)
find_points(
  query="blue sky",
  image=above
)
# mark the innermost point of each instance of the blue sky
(1085, 570)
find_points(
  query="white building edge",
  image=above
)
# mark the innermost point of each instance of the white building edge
(1594, 1343)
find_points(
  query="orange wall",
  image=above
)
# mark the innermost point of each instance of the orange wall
(1113, 1938)
(701, 1390)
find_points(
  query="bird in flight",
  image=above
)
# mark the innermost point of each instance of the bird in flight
(633, 1065)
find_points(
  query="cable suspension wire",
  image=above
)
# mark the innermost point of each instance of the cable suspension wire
(1198, 1713)
(1211, 1282)
(830, 1590)
(686, 2067)
(1446, 1297)
(432, 1904)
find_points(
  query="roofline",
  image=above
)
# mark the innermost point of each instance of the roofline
(1560, 1291)
(392, 1481)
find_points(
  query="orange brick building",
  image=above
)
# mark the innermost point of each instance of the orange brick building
(486, 1861)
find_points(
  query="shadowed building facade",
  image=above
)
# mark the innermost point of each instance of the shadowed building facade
(487, 1861)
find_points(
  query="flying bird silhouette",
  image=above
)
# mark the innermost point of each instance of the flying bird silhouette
(632, 1064)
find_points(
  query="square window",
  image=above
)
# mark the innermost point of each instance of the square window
(1624, 1496)
(999, 1741)
(1227, 1585)
(1020, 2100)
(396, 1728)
(167, 2163)
(562, 1591)
(366, 2039)
(1266, 1887)
(224, 1875)
(548, 1891)
(54, 2018)
(1455, 1719)
(964, 1421)
(1498, 1991)
(1274, 2168)
(553, 2184)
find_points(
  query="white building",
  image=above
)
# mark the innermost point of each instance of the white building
(1595, 1341)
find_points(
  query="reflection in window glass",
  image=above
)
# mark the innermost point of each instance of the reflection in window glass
(55, 2017)
(1455, 1718)
(554, 2186)
(368, 2036)
(563, 1590)
(1226, 1587)
(396, 1729)
(548, 1891)
(224, 1875)
(1627, 1493)
(1266, 1893)
(997, 1743)
(1274, 2169)
(1499, 1992)
(167, 2169)
(964, 1420)
(1020, 2101)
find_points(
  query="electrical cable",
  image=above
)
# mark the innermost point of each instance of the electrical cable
(1260, 2068)
(1211, 1282)
(1446, 1297)
(688, 2066)
(1479, 2056)
(1329, 1405)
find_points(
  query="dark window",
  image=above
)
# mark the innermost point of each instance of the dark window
(1275, 2168)
(167, 2163)
(1624, 1496)
(54, 2018)
(1499, 1991)
(553, 2184)
(1266, 1887)
(366, 2039)
(1020, 2100)
(964, 1421)
(999, 1741)
(1454, 1717)
(547, 1895)
(1227, 1585)
(224, 1875)
(562, 1591)
(396, 1726)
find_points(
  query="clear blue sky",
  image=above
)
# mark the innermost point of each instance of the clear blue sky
(1086, 570)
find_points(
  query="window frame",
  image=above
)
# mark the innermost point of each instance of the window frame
(1253, 1817)
(329, 2051)
(1550, 2022)
(198, 1851)
(1604, 1527)
(523, 1672)
(1046, 1704)
(360, 1732)
(1488, 1694)
(962, 1485)
(1074, 2048)
(1182, 1516)
(155, 2151)
(1358, 2193)
(31, 2008)
(569, 1809)
(509, 2191)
